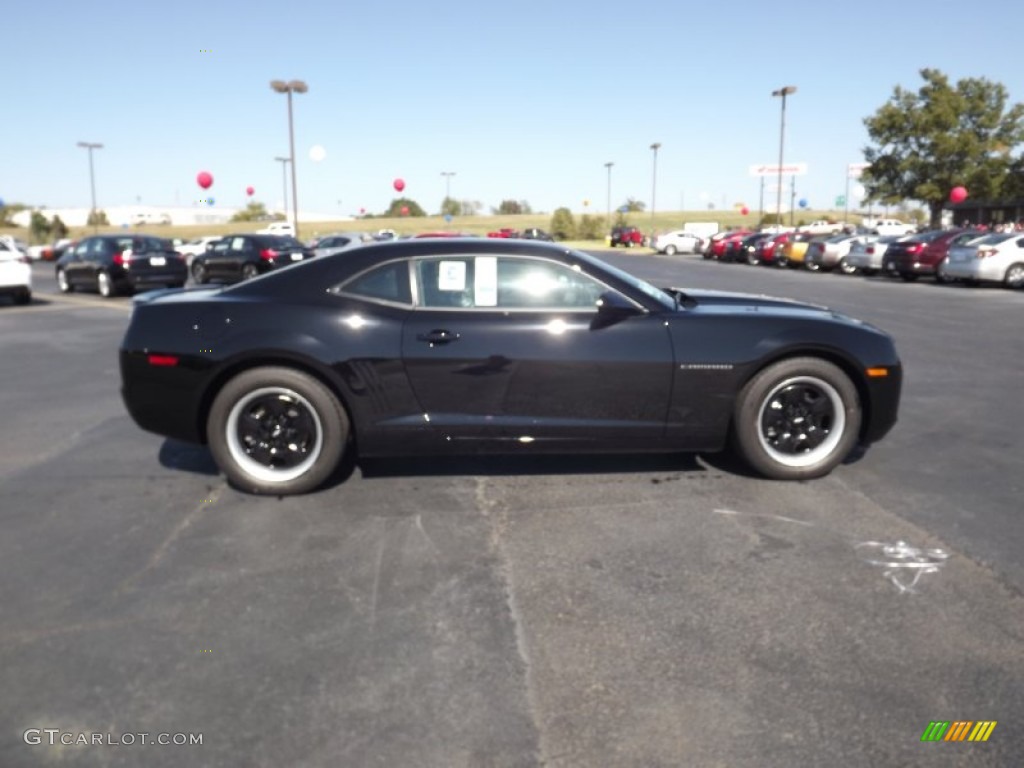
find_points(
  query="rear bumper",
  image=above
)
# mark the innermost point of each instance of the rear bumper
(164, 400)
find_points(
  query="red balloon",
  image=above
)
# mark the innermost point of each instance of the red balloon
(399, 185)
(744, 210)
(958, 194)
(405, 210)
(362, 210)
(204, 179)
(249, 191)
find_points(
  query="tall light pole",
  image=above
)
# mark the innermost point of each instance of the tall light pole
(783, 93)
(447, 186)
(92, 180)
(292, 86)
(609, 165)
(654, 181)
(284, 181)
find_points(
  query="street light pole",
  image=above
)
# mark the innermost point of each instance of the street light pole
(447, 186)
(92, 180)
(654, 181)
(293, 86)
(609, 165)
(284, 181)
(782, 92)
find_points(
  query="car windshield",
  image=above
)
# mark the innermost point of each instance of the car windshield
(634, 282)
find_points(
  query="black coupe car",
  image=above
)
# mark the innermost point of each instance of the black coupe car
(463, 346)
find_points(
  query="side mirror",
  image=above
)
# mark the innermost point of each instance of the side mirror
(613, 307)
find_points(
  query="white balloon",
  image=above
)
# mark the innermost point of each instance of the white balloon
(859, 190)
(317, 153)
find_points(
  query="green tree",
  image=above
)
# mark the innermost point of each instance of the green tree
(451, 207)
(513, 208)
(39, 227)
(590, 227)
(252, 212)
(395, 209)
(470, 207)
(563, 227)
(634, 206)
(97, 219)
(942, 136)
(58, 229)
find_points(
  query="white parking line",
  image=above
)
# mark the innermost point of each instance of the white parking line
(66, 302)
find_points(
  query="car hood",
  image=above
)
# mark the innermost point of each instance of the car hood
(707, 298)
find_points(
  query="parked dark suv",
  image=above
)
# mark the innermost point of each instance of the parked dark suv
(626, 236)
(113, 264)
(241, 257)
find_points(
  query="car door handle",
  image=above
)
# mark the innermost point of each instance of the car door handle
(439, 336)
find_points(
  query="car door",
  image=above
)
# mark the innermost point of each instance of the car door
(75, 267)
(511, 348)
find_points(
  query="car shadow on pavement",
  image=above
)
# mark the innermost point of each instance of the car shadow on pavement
(175, 454)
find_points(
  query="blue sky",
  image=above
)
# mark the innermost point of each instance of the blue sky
(525, 100)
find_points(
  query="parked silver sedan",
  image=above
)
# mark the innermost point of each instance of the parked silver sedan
(832, 253)
(993, 258)
(866, 257)
(328, 245)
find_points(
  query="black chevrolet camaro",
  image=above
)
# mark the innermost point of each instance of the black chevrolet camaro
(477, 345)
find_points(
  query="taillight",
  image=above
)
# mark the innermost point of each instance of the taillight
(164, 360)
(870, 249)
(268, 254)
(984, 253)
(914, 248)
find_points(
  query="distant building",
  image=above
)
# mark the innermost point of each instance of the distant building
(986, 211)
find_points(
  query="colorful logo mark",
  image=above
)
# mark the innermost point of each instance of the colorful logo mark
(959, 730)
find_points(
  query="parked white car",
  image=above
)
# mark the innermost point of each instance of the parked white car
(15, 272)
(892, 227)
(866, 257)
(193, 248)
(994, 258)
(278, 228)
(822, 227)
(678, 240)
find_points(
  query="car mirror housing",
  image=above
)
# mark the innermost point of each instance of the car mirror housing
(613, 307)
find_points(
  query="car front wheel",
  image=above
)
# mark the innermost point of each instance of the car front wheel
(63, 283)
(670, 250)
(105, 285)
(199, 273)
(846, 268)
(1014, 276)
(797, 419)
(277, 431)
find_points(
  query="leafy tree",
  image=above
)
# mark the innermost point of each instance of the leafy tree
(58, 229)
(590, 227)
(563, 227)
(39, 227)
(470, 207)
(395, 209)
(513, 208)
(942, 136)
(451, 207)
(252, 212)
(98, 219)
(634, 206)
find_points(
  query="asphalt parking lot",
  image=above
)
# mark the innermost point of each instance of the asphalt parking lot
(605, 611)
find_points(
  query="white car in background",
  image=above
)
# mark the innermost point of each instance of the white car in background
(995, 258)
(193, 248)
(892, 227)
(278, 228)
(671, 243)
(15, 272)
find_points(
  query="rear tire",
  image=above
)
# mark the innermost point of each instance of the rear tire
(278, 431)
(199, 273)
(670, 250)
(249, 271)
(105, 285)
(797, 419)
(846, 268)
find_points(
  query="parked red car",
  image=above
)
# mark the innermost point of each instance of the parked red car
(769, 247)
(626, 236)
(719, 242)
(504, 232)
(922, 254)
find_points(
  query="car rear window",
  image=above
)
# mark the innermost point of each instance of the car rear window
(388, 282)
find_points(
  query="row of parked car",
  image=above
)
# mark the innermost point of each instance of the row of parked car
(945, 255)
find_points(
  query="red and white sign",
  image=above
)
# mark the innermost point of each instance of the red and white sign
(793, 169)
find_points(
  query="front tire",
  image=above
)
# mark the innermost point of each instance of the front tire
(277, 431)
(199, 273)
(63, 283)
(105, 285)
(846, 268)
(797, 419)
(670, 250)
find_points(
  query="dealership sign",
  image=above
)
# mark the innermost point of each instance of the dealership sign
(793, 169)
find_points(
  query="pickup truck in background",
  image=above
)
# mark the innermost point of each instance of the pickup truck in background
(822, 227)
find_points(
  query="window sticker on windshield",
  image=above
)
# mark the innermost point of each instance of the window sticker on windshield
(451, 276)
(485, 279)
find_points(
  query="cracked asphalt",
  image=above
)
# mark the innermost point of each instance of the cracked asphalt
(483, 613)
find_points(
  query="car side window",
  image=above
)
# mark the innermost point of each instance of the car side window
(446, 282)
(388, 282)
(237, 244)
(533, 283)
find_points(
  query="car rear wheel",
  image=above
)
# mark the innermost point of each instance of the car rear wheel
(812, 266)
(249, 271)
(797, 419)
(63, 283)
(1014, 276)
(670, 250)
(105, 285)
(846, 268)
(277, 431)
